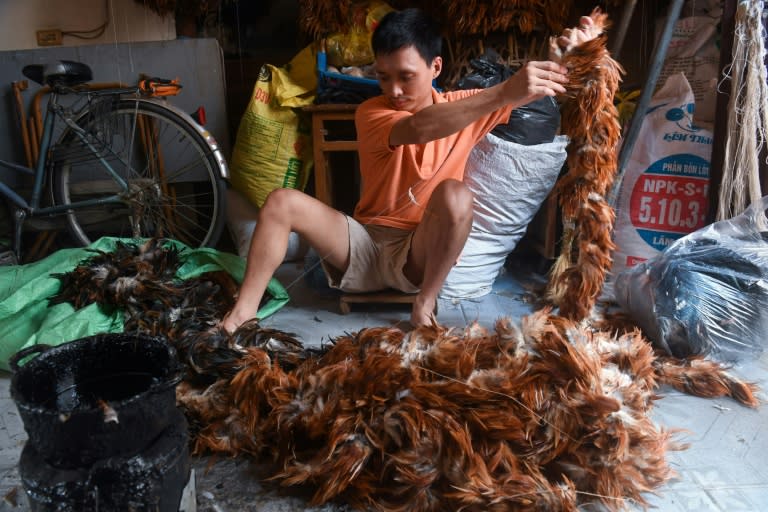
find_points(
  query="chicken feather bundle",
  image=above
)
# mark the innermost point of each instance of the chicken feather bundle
(546, 415)
(590, 119)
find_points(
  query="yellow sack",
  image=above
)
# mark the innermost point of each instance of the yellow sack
(353, 47)
(273, 148)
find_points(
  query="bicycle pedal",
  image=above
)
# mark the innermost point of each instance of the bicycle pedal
(8, 258)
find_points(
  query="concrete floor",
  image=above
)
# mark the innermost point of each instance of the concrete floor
(723, 470)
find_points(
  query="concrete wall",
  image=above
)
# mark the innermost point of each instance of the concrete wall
(198, 63)
(127, 20)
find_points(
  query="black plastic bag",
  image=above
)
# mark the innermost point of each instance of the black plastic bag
(488, 71)
(707, 293)
(535, 123)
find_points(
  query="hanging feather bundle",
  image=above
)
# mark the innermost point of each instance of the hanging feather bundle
(483, 17)
(590, 119)
(319, 18)
(458, 18)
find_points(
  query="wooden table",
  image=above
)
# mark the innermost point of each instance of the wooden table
(321, 146)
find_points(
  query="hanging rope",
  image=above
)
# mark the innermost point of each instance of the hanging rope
(748, 118)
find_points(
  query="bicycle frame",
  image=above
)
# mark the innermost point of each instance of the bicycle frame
(33, 207)
(38, 172)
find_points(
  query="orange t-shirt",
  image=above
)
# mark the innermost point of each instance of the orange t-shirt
(398, 181)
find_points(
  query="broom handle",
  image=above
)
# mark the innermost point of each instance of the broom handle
(657, 62)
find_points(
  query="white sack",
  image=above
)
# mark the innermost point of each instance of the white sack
(664, 191)
(510, 182)
(241, 221)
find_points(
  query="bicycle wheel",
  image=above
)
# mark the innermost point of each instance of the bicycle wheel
(174, 187)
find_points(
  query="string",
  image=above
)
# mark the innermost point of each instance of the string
(129, 45)
(114, 40)
(748, 113)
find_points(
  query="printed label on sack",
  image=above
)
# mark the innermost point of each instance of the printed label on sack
(670, 199)
(292, 173)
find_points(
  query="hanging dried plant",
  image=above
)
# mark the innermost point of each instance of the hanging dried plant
(187, 7)
(318, 18)
(458, 18)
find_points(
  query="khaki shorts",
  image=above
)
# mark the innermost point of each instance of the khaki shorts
(377, 255)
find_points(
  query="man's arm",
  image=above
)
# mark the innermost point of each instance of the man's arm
(533, 81)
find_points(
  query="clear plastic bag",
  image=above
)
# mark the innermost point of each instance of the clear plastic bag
(707, 293)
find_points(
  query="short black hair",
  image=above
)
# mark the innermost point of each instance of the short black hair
(409, 27)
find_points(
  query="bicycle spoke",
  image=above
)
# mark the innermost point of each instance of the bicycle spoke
(173, 186)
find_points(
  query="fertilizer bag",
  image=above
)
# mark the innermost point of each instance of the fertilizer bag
(273, 148)
(664, 190)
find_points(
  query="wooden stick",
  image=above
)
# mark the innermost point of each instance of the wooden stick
(37, 114)
(21, 117)
(34, 139)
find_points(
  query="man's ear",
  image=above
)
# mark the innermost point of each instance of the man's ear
(437, 66)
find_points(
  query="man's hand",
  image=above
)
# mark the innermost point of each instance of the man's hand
(572, 37)
(535, 80)
(233, 320)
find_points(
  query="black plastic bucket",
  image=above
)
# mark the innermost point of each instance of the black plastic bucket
(96, 397)
(151, 481)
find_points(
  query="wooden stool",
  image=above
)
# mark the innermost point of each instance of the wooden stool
(383, 297)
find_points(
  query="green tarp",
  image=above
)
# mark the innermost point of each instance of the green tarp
(27, 319)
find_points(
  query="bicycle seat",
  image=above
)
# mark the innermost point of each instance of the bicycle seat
(63, 73)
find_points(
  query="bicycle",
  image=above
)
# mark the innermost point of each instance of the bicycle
(125, 163)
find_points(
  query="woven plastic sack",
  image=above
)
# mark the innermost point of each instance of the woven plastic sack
(510, 182)
(664, 191)
(273, 148)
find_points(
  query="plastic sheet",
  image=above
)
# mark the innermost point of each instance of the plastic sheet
(707, 293)
(26, 318)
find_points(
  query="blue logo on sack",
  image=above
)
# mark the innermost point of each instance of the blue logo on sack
(682, 116)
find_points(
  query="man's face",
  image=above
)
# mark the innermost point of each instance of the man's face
(406, 79)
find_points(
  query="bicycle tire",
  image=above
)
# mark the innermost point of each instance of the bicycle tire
(175, 187)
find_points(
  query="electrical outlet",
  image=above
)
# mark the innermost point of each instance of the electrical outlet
(49, 37)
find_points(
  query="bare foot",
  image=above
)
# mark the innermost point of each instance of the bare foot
(233, 320)
(423, 312)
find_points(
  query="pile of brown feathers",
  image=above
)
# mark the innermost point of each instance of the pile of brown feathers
(541, 415)
(544, 415)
